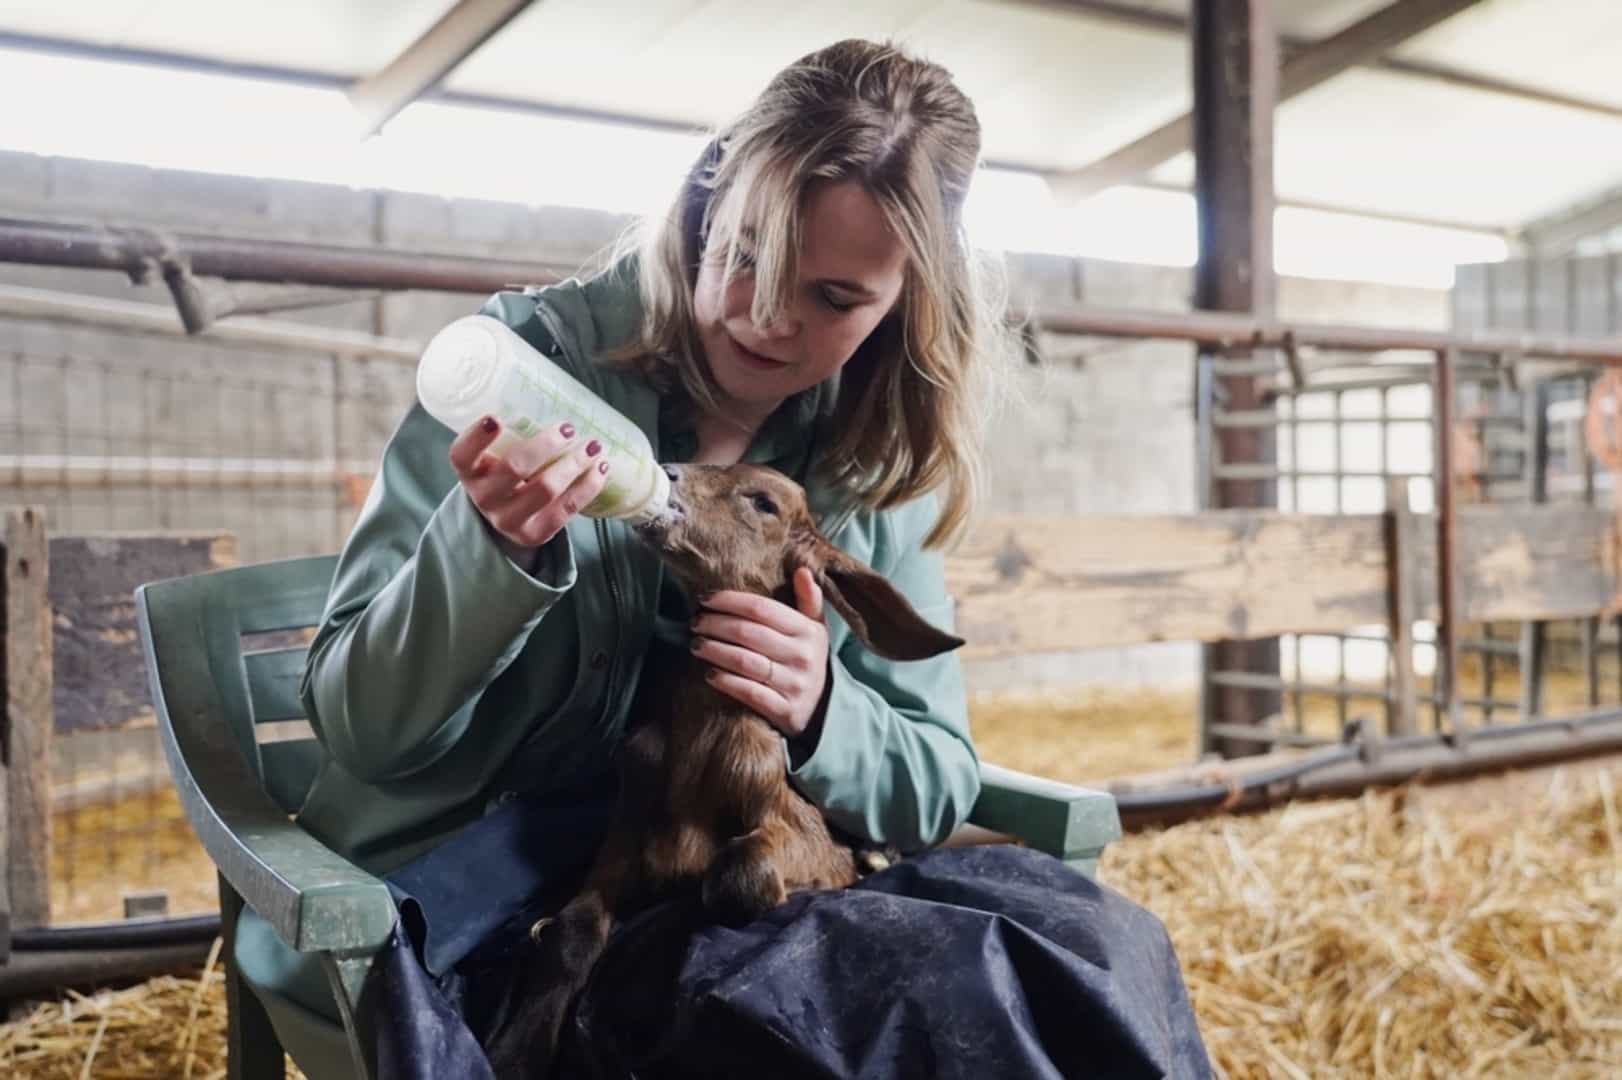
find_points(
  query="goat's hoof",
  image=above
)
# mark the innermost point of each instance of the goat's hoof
(739, 890)
(871, 862)
(538, 928)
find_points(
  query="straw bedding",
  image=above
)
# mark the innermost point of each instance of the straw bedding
(1414, 933)
(1466, 931)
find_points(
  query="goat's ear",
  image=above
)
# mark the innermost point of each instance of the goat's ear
(877, 613)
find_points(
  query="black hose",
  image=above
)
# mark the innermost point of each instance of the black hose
(130, 934)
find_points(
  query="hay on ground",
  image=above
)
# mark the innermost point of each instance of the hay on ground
(1414, 933)
(1474, 930)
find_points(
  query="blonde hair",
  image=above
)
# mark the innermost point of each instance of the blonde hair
(913, 400)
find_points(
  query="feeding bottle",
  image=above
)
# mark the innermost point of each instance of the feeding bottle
(477, 366)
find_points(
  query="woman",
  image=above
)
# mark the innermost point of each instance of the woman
(810, 303)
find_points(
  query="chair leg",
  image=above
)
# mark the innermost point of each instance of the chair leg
(252, 1050)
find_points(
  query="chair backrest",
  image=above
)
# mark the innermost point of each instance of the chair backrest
(225, 653)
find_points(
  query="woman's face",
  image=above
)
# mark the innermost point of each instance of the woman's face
(851, 269)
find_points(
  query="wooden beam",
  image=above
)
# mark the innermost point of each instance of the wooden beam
(1037, 584)
(1031, 583)
(426, 61)
(25, 740)
(1124, 13)
(1364, 40)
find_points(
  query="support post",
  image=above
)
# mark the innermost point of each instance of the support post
(1235, 73)
(25, 739)
(1534, 633)
(1449, 716)
(1402, 541)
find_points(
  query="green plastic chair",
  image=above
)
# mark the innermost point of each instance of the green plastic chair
(210, 693)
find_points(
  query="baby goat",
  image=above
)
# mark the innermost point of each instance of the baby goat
(705, 799)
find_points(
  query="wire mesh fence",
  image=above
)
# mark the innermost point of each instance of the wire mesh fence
(130, 434)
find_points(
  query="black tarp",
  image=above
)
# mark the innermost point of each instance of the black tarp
(978, 962)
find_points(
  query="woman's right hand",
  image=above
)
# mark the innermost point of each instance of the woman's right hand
(524, 507)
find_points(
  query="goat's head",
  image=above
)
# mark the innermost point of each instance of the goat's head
(747, 527)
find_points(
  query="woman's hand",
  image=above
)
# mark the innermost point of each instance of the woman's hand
(524, 507)
(767, 655)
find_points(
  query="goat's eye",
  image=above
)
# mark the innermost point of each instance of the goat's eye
(763, 503)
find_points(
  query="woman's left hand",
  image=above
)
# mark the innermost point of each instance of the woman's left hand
(765, 654)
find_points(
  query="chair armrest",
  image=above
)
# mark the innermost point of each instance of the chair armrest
(315, 899)
(1070, 822)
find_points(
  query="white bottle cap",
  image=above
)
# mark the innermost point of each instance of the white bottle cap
(457, 368)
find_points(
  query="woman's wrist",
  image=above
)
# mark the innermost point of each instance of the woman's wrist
(803, 745)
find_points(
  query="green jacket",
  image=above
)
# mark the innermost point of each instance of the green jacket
(443, 676)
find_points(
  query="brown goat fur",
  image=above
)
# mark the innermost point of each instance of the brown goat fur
(705, 799)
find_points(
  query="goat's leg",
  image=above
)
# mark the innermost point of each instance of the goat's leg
(744, 882)
(556, 970)
(756, 871)
(568, 948)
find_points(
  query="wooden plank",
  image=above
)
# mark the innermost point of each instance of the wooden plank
(1523, 562)
(25, 741)
(1029, 584)
(100, 675)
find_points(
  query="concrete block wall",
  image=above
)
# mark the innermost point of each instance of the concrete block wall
(1103, 426)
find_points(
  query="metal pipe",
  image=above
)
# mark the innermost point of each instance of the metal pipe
(144, 253)
(1271, 735)
(1346, 770)
(1248, 680)
(1232, 331)
(129, 934)
(91, 471)
(125, 316)
(1252, 472)
(1447, 563)
(1134, 805)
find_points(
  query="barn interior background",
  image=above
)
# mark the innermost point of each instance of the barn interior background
(1336, 485)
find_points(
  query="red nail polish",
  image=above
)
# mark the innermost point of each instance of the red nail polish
(490, 426)
(602, 467)
(567, 430)
(593, 448)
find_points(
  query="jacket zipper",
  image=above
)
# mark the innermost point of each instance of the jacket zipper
(615, 604)
(605, 548)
